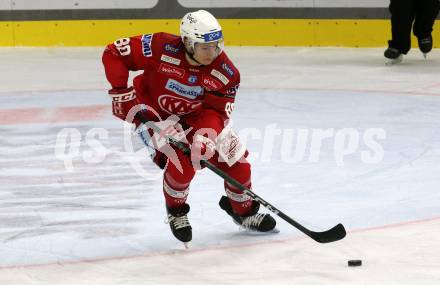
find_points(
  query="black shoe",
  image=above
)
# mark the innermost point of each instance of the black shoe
(392, 53)
(252, 221)
(179, 224)
(393, 56)
(425, 44)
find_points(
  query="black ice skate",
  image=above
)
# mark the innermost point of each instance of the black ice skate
(393, 56)
(179, 224)
(425, 45)
(253, 221)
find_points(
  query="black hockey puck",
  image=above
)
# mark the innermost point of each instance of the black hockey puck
(355, 262)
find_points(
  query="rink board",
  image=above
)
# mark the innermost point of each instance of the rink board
(238, 32)
(346, 23)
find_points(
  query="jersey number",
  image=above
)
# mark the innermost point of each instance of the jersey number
(123, 46)
(229, 108)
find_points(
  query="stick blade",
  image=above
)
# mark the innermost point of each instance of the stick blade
(334, 234)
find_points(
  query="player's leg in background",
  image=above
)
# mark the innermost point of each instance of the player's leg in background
(426, 13)
(402, 16)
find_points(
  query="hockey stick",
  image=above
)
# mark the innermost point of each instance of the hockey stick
(334, 234)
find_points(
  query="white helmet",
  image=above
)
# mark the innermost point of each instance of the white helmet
(200, 27)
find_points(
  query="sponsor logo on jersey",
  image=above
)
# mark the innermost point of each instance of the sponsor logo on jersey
(220, 76)
(190, 92)
(228, 69)
(194, 69)
(171, 70)
(214, 36)
(146, 45)
(177, 106)
(170, 59)
(211, 84)
(192, 79)
(232, 91)
(171, 48)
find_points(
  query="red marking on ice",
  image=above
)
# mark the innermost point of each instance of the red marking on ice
(213, 248)
(353, 90)
(52, 115)
(409, 223)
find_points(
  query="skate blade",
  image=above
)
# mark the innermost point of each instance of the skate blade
(425, 55)
(275, 231)
(186, 245)
(248, 231)
(390, 61)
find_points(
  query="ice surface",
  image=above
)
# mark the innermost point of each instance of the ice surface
(101, 221)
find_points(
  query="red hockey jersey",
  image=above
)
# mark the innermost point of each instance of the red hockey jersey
(202, 96)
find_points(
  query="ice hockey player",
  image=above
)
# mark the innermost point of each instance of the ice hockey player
(405, 13)
(191, 77)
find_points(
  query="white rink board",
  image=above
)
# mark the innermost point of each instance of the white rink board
(76, 4)
(5, 4)
(284, 3)
(146, 4)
